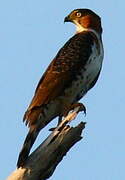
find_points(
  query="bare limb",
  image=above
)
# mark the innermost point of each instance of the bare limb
(42, 162)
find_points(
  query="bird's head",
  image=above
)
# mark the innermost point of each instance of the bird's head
(85, 19)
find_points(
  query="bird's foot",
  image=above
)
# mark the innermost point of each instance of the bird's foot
(71, 108)
(59, 121)
(82, 107)
(52, 129)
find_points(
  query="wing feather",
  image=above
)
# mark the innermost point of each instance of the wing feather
(63, 70)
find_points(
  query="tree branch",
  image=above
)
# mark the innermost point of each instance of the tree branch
(42, 162)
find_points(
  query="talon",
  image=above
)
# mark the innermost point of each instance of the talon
(52, 129)
(59, 121)
(82, 107)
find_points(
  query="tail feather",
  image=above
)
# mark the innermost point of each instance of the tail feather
(28, 143)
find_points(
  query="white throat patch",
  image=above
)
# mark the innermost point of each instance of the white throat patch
(80, 28)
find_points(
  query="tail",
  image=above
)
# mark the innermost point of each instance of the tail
(28, 143)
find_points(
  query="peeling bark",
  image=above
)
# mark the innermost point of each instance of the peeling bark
(42, 163)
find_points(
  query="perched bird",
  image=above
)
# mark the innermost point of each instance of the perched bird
(70, 75)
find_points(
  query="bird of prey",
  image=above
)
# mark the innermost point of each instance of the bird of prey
(74, 70)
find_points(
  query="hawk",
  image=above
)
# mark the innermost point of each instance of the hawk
(74, 70)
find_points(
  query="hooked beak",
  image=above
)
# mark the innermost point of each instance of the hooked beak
(67, 19)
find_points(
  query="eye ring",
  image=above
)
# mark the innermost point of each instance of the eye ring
(78, 14)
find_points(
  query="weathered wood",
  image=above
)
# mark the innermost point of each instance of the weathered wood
(42, 162)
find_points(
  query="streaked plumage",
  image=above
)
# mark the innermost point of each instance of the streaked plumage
(74, 71)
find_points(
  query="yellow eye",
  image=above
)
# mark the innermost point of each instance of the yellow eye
(78, 14)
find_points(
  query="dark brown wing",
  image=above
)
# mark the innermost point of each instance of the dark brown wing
(62, 71)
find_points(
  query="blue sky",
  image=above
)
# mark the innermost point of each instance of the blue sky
(31, 33)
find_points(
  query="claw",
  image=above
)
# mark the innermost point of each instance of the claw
(72, 107)
(82, 107)
(52, 129)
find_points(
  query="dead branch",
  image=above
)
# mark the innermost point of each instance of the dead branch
(42, 162)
